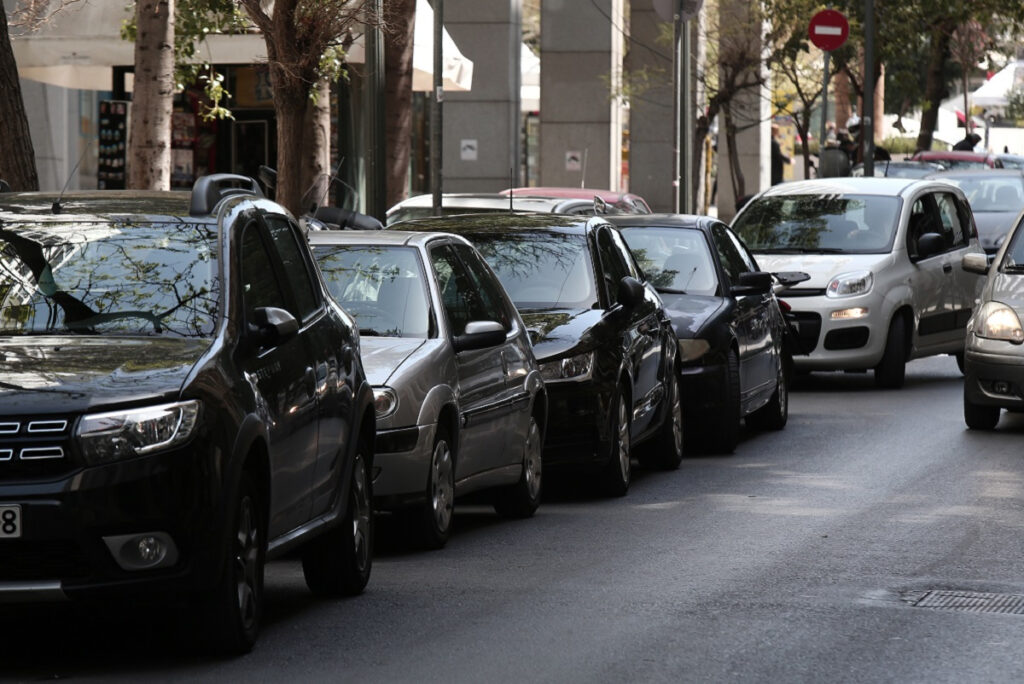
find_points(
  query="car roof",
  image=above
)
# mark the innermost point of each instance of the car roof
(846, 185)
(976, 173)
(483, 201)
(659, 220)
(388, 238)
(525, 222)
(959, 155)
(100, 205)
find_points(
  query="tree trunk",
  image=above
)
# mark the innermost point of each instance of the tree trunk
(398, 98)
(935, 86)
(290, 108)
(149, 150)
(739, 183)
(316, 156)
(17, 157)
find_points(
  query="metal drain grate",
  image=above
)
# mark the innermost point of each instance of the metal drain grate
(971, 601)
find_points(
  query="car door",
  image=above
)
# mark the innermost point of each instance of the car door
(641, 330)
(282, 379)
(955, 214)
(933, 278)
(331, 352)
(757, 352)
(481, 377)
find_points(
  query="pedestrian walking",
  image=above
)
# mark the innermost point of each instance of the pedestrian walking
(778, 159)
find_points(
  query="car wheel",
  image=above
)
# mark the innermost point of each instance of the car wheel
(774, 414)
(522, 499)
(721, 430)
(434, 518)
(230, 618)
(979, 417)
(891, 370)
(666, 453)
(338, 562)
(618, 471)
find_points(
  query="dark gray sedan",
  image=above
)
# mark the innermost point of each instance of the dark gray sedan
(460, 402)
(996, 197)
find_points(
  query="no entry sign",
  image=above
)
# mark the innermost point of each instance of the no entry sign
(828, 30)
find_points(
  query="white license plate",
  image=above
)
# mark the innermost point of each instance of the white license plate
(10, 522)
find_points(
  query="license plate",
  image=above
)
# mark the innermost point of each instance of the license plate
(10, 522)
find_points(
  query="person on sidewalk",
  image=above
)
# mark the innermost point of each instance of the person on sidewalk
(969, 142)
(778, 159)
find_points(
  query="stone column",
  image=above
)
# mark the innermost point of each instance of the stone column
(581, 68)
(482, 127)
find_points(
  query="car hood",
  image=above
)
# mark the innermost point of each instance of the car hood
(382, 356)
(79, 373)
(1007, 288)
(993, 225)
(821, 267)
(557, 331)
(689, 313)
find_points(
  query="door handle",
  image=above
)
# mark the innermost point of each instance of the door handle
(947, 267)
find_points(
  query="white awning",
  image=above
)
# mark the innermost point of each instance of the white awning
(80, 44)
(992, 93)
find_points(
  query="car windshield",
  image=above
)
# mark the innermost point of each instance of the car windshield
(820, 224)
(675, 260)
(1014, 257)
(541, 270)
(989, 193)
(381, 286)
(108, 278)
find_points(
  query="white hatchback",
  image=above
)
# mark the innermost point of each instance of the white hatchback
(884, 259)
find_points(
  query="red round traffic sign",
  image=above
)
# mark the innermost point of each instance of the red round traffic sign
(829, 29)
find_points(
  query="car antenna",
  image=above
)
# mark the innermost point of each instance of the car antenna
(55, 207)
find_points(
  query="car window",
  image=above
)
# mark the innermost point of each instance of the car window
(614, 266)
(1014, 258)
(296, 268)
(487, 288)
(459, 296)
(673, 259)
(741, 249)
(100, 278)
(260, 287)
(383, 287)
(949, 216)
(924, 219)
(728, 253)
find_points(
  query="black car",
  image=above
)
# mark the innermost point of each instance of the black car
(604, 343)
(735, 359)
(181, 400)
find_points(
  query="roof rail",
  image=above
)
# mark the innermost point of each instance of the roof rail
(208, 191)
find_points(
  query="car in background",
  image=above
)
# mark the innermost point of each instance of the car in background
(734, 358)
(422, 206)
(884, 259)
(612, 202)
(996, 197)
(994, 353)
(1010, 161)
(182, 400)
(957, 159)
(460, 403)
(899, 169)
(604, 342)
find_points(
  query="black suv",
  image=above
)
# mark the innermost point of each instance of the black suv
(180, 400)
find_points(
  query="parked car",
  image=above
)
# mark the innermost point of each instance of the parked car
(613, 202)
(422, 206)
(1010, 161)
(460, 402)
(182, 400)
(996, 197)
(604, 342)
(884, 259)
(957, 159)
(734, 358)
(900, 169)
(994, 355)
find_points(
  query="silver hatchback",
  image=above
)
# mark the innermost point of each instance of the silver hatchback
(460, 401)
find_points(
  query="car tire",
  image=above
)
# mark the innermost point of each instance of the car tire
(891, 370)
(980, 417)
(339, 562)
(774, 414)
(229, 618)
(434, 518)
(522, 499)
(666, 452)
(722, 429)
(617, 473)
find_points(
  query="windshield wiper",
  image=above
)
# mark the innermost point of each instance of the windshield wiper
(801, 250)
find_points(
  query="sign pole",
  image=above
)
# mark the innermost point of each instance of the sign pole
(868, 124)
(824, 107)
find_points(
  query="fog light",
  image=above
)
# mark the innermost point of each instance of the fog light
(847, 314)
(1001, 387)
(144, 551)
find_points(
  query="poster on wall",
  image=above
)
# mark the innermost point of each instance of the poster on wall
(111, 173)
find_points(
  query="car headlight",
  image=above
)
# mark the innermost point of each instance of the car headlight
(850, 284)
(577, 366)
(117, 435)
(691, 350)
(385, 401)
(996, 321)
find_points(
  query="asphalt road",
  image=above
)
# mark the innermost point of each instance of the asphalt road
(797, 559)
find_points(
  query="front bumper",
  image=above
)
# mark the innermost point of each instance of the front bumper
(828, 338)
(994, 373)
(577, 423)
(402, 465)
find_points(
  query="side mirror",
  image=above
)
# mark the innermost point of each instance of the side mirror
(930, 244)
(752, 283)
(630, 293)
(345, 219)
(790, 278)
(479, 335)
(975, 263)
(272, 325)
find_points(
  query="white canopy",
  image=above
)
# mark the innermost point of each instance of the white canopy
(80, 44)
(993, 92)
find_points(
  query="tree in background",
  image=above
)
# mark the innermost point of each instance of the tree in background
(398, 51)
(967, 46)
(149, 145)
(17, 157)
